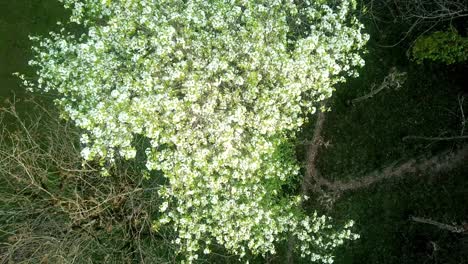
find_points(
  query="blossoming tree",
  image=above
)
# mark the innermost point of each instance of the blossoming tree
(218, 88)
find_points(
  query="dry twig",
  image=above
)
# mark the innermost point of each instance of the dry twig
(451, 228)
(394, 79)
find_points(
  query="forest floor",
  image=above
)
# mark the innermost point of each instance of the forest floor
(381, 158)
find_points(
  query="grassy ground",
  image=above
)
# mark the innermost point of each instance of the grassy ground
(368, 136)
(389, 236)
(18, 20)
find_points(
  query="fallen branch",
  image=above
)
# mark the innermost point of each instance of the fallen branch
(393, 79)
(451, 228)
(442, 162)
(460, 98)
(313, 180)
(312, 173)
(435, 138)
(311, 170)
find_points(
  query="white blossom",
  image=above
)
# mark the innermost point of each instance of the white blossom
(219, 88)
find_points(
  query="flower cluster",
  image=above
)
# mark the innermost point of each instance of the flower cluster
(219, 88)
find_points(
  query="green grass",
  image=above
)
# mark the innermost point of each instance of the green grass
(389, 236)
(368, 136)
(18, 20)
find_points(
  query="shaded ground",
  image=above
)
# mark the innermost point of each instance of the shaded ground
(369, 136)
(18, 19)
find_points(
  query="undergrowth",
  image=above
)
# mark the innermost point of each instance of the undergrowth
(56, 209)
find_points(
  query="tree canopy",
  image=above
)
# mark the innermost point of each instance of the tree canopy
(219, 88)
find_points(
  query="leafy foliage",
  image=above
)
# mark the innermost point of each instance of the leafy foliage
(441, 46)
(218, 87)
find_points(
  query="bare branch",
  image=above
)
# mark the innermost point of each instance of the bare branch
(451, 228)
(312, 152)
(394, 79)
(435, 138)
(442, 162)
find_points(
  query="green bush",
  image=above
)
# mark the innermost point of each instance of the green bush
(441, 46)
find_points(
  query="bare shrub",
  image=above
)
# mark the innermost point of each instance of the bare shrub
(55, 208)
(420, 16)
